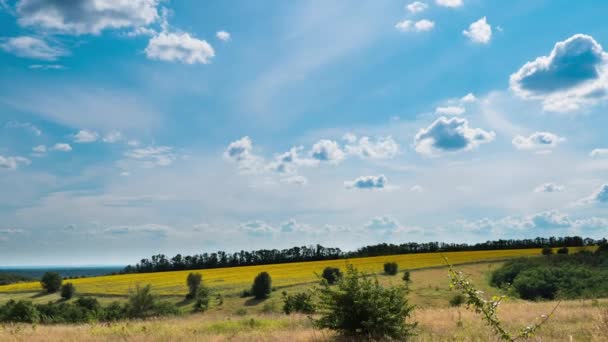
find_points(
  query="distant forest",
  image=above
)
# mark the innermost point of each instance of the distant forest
(161, 263)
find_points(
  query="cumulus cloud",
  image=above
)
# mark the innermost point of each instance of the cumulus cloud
(61, 147)
(367, 182)
(549, 187)
(24, 125)
(179, 47)
(39, 149)
(538, 140)
(598, 196)
(364, 147)
(223, 36)
(546, 220)
(383, 223)
(258, 228)
(449, 3)
(86, 16)
(416, 7)
(12, 163)
(479, 32)
(599, 152)
(450, 135)
(155, 231)
(572, 76)
(289, 161)
(85, 136)
(450, 110)
(415, 26)
(296, 180)
(327, 151)
(152, 155)
(468, 98)
(417, 189)
(112, 137)
(241, 152)
(32, 47)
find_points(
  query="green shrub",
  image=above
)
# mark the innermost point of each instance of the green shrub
(21, 311)
(331, 275)
(563, 250)
(298, 302)
(359, 306)
(457, 300)
(67, 291)
(246, 293)
(113, 312)
(194, 282)
(391, 268)
(89, 303)
(202, 299)
(141, 302)
(547, 251)
(262, 286)
(51, 282)
(406, 277)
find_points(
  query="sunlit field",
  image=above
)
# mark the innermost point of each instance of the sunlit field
(235, 279)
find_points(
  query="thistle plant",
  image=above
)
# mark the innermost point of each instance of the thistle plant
(488, 309)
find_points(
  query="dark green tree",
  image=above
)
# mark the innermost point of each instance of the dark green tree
(547, 251)
(51, 282)
(331, 274)
(194, 283)
(67, 291)
(391, 268)
(262, 286)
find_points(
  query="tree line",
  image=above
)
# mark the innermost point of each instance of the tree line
(162, 263)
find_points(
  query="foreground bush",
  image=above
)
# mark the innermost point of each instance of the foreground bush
(360, 307)
(301, 302)
(51, 282)
(262, 286)
(21, 311)
(194, 282)
(331, 275)
(142, 303)
(391, 268)
(202, 299)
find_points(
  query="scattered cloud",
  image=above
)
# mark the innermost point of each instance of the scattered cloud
(223, 36)
(450, 135)
(536, 141)
(572, 76)
(258, 228)
(85, 136)
(46, 67)
(86, 16)
(416, 7)
(12, 163)
(296, 180)
(155, 231)
(422, 25)
(380, 148)
(599, 152)
(39, 149)
(24, 125)
(179, 47)
(417, 189)
(61, 147)
(479, 32)
(367, 182)
(32, 47)
(549, 187)
(450, 110)
(383, 223)
(112, 137)
(327, 151)
(241, 152)
(152, 156)
(598, 196)
(468, 98)
(449, 3)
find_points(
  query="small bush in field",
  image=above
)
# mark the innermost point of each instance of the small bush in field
(194, 281)
(547, 251)
(457, 300)
(67, 291)
(262, 286)
(391, 268)
(51, 282)
(563, 250)
(406, 277)
(298, 302)
(202, 299)
(331, 275)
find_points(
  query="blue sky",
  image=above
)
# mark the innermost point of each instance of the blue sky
(133, 128)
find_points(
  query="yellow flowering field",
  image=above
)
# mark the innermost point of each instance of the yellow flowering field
(235, 279)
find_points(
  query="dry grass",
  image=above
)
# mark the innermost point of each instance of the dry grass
(573, 321)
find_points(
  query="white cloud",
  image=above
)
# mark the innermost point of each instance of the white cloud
(381, 148)
(85, 136)
(415, 26)
(416, 7)
(327, 151)
(39, 149)
(367, 182)
(599, 152)
(152, 155)
(32, 47)
(450, 135)
(46, 67)
(468, 98)
(598, 196)
(86, 16)
(155, 231)
(572, 76)
(479, 31)
(179, 47)
(12, 163)
(449, 3)
(296, 180)
(450, 110)
(538, 140)
(223, 36)
(258, 228)
(24, 125)
(62, 147)
(241, 152)
(383, 223)
(549, 187)
(417, 189)
(289, 161)
(112, 137)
